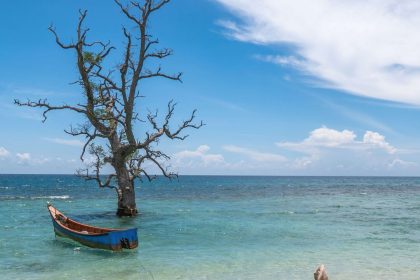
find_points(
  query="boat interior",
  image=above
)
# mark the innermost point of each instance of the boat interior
(73, 225)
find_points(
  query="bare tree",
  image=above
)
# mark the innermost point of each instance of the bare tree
(110, 96)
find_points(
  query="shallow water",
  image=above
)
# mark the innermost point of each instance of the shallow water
(203, 227)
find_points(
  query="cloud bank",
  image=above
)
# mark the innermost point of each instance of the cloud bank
(325, 151)
(328, 151)
(330, 138)
(364, 47)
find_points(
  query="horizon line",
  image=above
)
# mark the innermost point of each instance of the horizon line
(225, 175)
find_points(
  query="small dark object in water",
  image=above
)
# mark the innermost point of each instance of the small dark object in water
(95, 237)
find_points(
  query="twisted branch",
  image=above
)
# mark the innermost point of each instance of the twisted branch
(111, 94)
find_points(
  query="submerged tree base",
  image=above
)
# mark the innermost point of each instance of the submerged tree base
(127, 212)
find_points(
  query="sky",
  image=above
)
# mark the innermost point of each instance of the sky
(296, 87)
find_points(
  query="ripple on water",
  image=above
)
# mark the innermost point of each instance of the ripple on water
(19, 197)
(219, 228)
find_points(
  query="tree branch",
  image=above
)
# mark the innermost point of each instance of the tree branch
(164, 129)
(110, 96)
(42, 103)
(158, 73)
(97, 164)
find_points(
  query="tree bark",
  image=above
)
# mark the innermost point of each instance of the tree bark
(126, 202)
(126, 194)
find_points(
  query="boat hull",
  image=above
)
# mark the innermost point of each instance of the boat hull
(109, 239)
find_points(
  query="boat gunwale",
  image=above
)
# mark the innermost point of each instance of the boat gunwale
(108, 230)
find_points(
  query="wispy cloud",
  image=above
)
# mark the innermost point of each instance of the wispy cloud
(201, 156)
(368, 48)
(9, 92)
(226, 105)
(254, 154)
(23, 158)
(359, 117)
(35, 92)
(17, 91)
(8, 109)
(401, 163)
(3, 152)
(68, 142)
(284, 60)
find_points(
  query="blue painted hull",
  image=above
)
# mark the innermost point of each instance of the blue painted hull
(112, 239)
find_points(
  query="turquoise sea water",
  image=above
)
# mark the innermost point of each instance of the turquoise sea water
(218, 228)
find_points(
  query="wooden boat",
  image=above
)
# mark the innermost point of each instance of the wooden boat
(95, 237)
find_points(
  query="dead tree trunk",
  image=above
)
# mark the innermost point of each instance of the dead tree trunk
(110, 96)
(126, 193)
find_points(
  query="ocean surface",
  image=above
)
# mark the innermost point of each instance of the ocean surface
(215, 227)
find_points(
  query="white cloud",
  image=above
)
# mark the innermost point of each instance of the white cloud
(28, 159)
(201, 154)
(255, 155)
(365, 47)
(377, 140)
(325, 137)
(318, 138)
(68, 142)
(23, 157)
(329, 137)
(3, 152)
(401, 163)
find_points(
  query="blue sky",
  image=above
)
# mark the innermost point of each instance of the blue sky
(290, 88)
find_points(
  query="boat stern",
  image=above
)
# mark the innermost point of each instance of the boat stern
(124, 239)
